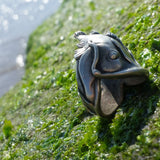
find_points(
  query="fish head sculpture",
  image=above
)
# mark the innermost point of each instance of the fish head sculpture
(104, 67)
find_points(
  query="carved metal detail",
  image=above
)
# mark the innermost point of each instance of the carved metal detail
(104, 66)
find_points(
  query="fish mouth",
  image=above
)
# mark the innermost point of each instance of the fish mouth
(82, 48)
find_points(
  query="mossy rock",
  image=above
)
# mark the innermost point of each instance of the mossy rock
(43, 117)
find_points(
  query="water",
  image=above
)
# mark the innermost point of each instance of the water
(18, 18)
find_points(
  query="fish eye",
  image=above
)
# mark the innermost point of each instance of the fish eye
(113, 55)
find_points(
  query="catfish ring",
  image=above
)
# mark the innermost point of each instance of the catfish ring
(104, 66)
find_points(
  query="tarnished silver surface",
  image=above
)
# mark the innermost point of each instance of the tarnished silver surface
(104, 66)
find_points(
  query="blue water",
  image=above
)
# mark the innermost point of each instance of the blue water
(18, 18)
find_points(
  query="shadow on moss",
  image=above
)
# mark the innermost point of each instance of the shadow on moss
(122, 129)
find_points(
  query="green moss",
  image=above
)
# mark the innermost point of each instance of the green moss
(7, 128)
(49, 119)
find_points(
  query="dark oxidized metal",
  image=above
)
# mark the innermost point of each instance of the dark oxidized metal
(104, 66)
